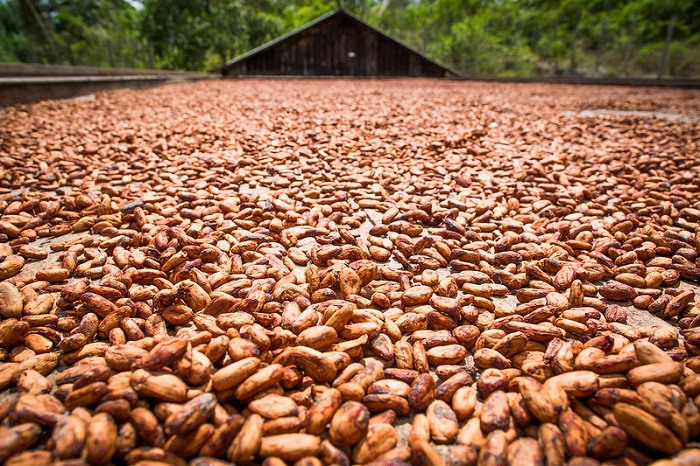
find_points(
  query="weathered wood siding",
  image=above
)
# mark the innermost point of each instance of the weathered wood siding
(338, 46)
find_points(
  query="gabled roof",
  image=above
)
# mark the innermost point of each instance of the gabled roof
(320, 19)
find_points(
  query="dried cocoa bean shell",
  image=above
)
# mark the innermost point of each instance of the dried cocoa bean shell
(443, 422)
(646, 429)
(290, 447)
(349, 424)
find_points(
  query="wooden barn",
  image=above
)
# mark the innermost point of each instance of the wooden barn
(335, 44)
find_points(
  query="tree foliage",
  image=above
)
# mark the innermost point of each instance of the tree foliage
(477, 37)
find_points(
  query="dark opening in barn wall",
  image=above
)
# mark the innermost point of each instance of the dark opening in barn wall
(336, 44)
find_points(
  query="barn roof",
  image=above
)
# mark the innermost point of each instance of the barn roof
(319, 20)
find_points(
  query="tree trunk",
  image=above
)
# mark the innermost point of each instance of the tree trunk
(572, 50)
(628, 48)
(601, 44)
(69, 53)
(425, 27)
(150, 56)
(40, 21)
(32, 53)
(110, 54)
(557, 70)
(667, 43)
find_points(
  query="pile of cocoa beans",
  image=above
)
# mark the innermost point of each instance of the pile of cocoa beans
(350, 272)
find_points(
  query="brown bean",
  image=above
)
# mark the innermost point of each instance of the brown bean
(443, 422)
(266, 291)
(349, 424)
(247, 442)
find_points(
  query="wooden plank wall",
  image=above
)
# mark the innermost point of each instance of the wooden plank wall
(339, 46)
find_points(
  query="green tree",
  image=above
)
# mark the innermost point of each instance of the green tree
(477, 37)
